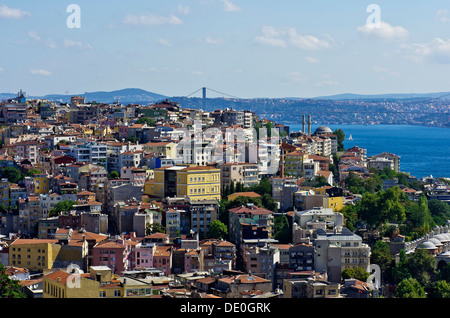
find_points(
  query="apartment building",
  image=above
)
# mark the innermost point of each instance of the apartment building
(244, 172)
(293, 163)
(338, 250)
(252, 215)
(197, 183)
(27, 150)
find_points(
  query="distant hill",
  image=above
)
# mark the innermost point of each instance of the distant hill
(136, 95)
(7, 96)
(350, 96)
(125, 96)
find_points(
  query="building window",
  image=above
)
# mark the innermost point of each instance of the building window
(102, 294)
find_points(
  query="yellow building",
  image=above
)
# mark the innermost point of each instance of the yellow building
(42, 183)
(62, 284)
(165, 149)
(98, 283)
(41, 255)
(197, 183)
(34, 254)
(334, 203)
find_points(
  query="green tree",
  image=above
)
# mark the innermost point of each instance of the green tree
(444, 273)
(350, 213)
(355, 272)
(419, 265)
(440, 211)
(217, 230)
(12, 174)
(321, 181)
(63, 206)
(114, 175)
(409, 288)
(419, 219)
(422, 266)
(400, 271)
(241, 200)
(382, 257)
(232, 187)
(340, 138)
(262, 187)
(146, 120)
(383, 206)
(439, 289)
(155, 228)
(282, 231)
(9, 288)
(132, 139)
(32, 172)
(269, 203)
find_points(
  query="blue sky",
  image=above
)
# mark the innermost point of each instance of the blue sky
(245, 48)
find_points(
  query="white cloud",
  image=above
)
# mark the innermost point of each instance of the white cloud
(164, 42)
(229, 6)
(75, 44)
(184, 10)
(1, 69)
(312, 60)
(46, 42)
(12, 13)
(40, 72)
(283, 37)
(151, 20)
(34, 35)
(270, 41)
(442, 15)
(384, 31)
(436, 51)
(213, 40)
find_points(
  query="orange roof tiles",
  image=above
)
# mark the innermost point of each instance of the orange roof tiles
(248, 194)
(33, 241)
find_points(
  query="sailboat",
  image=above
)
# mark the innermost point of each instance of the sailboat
(350, 137)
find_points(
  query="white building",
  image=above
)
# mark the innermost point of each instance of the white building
(48, 202)
(337, 251)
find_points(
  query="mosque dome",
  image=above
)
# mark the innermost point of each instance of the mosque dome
(427, 245)
(435, 241)
(442, 237)
(323, 130)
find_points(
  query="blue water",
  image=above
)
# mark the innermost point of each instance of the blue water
(424, 151)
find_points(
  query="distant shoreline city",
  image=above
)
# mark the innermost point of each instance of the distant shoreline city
(163, 200)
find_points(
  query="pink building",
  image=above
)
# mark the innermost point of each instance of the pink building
(112, 254)
(162, 259)
(193, 260)
(144, 255)
(123, 131)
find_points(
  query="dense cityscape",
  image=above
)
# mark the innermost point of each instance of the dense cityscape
(161, 200)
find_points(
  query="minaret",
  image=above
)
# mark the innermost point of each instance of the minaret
(309, 125)
(303, 124)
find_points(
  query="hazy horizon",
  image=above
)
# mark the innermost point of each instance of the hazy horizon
(248, 49)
